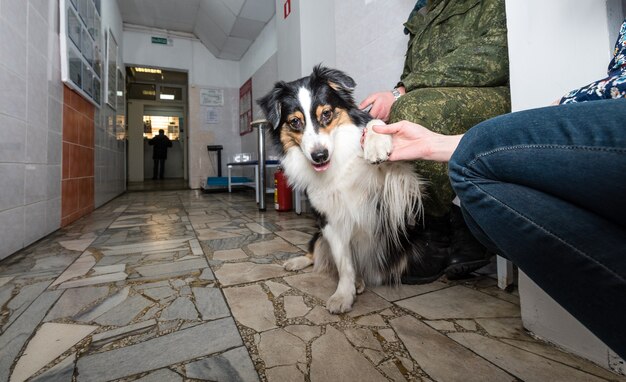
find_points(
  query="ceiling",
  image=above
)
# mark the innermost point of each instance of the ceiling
(226, 27)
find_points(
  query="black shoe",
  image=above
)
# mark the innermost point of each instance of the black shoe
(436, 252)
(466, 253)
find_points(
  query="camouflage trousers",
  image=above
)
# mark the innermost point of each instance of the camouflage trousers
(447, 111)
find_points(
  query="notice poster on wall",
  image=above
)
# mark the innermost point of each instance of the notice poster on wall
(80, 48)
(211, 97)
(213, 115)
(111, 70)
(245, 108)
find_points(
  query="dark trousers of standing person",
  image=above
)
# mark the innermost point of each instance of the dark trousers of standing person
(546, 188)
(159, 168)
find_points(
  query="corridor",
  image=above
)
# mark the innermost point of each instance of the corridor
(181, 285)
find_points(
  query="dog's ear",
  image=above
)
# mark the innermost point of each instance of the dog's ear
(342, 83)
(270, 104)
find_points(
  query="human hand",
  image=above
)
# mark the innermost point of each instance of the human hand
(412, 141)
(381, 104)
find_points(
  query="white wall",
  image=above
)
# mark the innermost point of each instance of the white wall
(139, 50)
(317, 34)
(547, 319)
(261, 50)
(364, 38)
(555, 47)
(259, 63)
(226, 133)
(305, 38)
(187, 54)
(616, 11)
(288, 42)
(370, 43)
(112, 19)
(31, 104)
(109, 152)
(208, 70)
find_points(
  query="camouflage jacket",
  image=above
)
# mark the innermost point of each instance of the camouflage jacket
(457, 43)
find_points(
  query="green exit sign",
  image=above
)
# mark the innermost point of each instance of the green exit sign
(160, 40)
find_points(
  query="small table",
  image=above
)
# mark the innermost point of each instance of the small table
(255, 164)
(218, 149)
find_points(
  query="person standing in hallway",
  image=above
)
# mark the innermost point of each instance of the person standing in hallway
(159, 153)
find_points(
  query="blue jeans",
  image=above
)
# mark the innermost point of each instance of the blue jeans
(546, 188)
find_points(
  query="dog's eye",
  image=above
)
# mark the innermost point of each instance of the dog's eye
(327, 115)
(295, 123)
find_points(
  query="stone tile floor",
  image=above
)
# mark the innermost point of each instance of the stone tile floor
(185, 286)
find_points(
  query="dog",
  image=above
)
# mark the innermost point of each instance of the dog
(368, 209)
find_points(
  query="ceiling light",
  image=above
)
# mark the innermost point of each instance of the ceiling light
(148, 70)
(148, 92)
(166, 96)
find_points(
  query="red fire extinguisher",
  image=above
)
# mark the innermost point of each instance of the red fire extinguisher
(282, 191)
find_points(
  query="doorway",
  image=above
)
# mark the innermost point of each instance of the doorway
(171, 120)
(157, 100)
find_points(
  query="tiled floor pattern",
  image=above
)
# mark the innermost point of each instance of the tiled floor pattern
(180, 285)
(168, 184)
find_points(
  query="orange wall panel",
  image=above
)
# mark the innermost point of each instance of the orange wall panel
(77, 188)
(66, 160)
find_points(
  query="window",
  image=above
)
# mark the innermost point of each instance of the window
(81, 64)
(142, 91)
(169, 93)
(152, 124)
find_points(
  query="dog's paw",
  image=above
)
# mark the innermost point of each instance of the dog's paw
(376, 147)
(360, 286)
(340, 303)
(297, 263)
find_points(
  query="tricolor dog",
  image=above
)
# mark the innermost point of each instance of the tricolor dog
(368, 209)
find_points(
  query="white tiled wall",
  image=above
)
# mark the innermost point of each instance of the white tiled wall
(109, 152)
(30, 122)
(109, 173)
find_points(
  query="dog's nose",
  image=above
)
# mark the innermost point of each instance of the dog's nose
(320, 156)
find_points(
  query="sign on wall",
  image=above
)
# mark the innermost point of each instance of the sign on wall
(211, 97)
(213, 115)
(120, 106)
(161, 40)
(245, 108)
(111, 67)
(286, 8)
(81, 50)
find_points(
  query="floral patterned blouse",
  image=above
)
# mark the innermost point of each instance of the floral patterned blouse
(613, 86)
